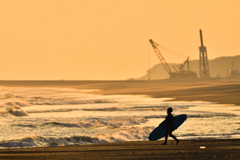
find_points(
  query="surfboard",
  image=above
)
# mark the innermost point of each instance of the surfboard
(160, 131)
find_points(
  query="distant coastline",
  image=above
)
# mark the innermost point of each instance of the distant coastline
(218, 68)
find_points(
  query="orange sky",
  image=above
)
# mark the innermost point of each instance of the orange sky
(108, 39)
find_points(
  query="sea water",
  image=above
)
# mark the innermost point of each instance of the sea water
(40, 117)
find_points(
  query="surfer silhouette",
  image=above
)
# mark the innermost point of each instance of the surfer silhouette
(169, 120)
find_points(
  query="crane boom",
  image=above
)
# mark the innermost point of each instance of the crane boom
(182, 65)
(160, 57)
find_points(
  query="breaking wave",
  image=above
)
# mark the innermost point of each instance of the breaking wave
(38, 141)
(12, 104)
(126, 134)
(97, 122)
(18, 112)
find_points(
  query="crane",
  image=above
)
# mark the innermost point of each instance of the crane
(160, 57)
(179, 73)
(203, 60)
(182, 65)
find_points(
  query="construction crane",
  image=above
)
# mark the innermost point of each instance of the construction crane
(203, 60)
(160, 57)
(180, 73)
(182, 65)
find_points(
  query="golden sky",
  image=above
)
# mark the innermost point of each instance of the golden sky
(108, 39)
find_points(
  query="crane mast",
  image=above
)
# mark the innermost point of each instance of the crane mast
(160, 57)
(203, 59)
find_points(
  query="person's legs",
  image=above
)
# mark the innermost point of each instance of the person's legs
(166, 137)
(170, 134)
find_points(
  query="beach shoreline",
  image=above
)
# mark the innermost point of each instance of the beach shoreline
(186, 149)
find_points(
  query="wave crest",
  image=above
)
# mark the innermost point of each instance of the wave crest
(97, 122)
(38, 141)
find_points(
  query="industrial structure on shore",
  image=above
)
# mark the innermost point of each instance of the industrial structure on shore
(180, 72)
(203, 60)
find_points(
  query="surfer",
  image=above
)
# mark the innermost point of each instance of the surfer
(169, 120)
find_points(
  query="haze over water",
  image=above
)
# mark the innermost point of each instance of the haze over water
(39, 117)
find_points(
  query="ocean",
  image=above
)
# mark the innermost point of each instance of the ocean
(42, 117)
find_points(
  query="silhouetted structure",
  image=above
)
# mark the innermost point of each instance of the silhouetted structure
(203, 60)
(233, 72)
(180, 73)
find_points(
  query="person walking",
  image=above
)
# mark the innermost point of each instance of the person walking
(169, 120)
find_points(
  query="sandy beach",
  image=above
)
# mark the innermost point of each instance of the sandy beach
(200, 149)
(214, 90)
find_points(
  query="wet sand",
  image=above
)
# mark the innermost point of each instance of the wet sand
(226, 91)
(214, 149)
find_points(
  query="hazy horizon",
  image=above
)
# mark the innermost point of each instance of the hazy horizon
(141, 76)
(108, 40)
